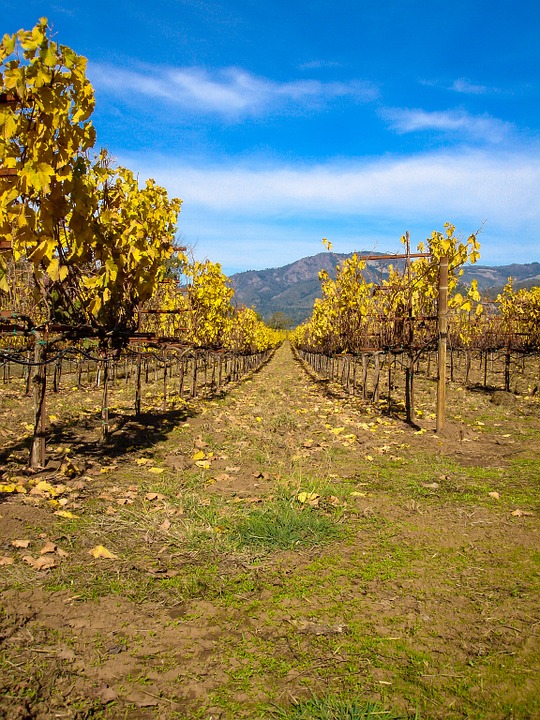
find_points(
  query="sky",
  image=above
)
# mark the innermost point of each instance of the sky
(281, 122)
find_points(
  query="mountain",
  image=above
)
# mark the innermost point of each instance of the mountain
(291, 289)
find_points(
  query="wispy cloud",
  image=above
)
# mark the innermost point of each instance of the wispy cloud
(455, 122)
(469, 88)
(230, 92)
(320, 65)
(240, 211)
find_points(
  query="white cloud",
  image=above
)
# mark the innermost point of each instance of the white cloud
(478, 127)
(227, 91)
(320, 65)
(242, 212)
(461, 85)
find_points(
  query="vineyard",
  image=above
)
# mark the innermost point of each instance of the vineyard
(416, 314)
(201, 517)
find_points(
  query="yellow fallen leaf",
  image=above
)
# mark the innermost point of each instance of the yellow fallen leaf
(358, 494)
(142, 461)
(337, 430)
(66, 514)
(369, 457)
(101, 552)
(7, 560)
(8, 488)
(305, 497)
(44, 487)
(203, 464)
(156, 470)
(198, 455)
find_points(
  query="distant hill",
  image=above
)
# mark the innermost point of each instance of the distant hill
(292, 289)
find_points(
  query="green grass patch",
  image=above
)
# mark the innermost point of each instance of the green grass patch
(284, 525)
(336, 708)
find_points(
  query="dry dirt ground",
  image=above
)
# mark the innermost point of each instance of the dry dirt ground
(229, 558)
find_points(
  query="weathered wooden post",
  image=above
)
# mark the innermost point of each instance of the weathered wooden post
(39, 381)
(442, 323)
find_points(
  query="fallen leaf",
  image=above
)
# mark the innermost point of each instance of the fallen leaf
(198, 455)
(521, 513)
(101, 552)
(305, 497)
(204, 464)
(156, 470)
(155, 496)
(222, 477)
(143, 461)
(66, 514)
(41, 563)
(45, 562)
(44, 488)
(7, 560)
(494, 495)
(49, 547)
(165, 525)
(8, 488)
(20, 543)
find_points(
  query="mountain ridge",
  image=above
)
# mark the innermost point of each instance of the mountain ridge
(291, 289)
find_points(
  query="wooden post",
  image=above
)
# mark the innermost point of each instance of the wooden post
(164, 406)
(105, 400)
(39, 381)
(138, 385)
(364, 375)
(194, 376)
(442, 321)
(376, 375)
(507, 359)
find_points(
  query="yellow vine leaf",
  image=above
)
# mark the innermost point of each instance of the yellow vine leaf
(101, 552)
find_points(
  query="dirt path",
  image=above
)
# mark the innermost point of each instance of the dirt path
(280, 542)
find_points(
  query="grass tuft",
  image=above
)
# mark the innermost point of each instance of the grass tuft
(285, 526)
(335, 708)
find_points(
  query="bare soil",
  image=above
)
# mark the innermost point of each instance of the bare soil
(424, 598)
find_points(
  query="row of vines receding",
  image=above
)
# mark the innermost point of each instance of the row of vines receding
(91, 276)
(419, 317)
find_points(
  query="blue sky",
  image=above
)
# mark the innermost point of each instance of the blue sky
(280, 123)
